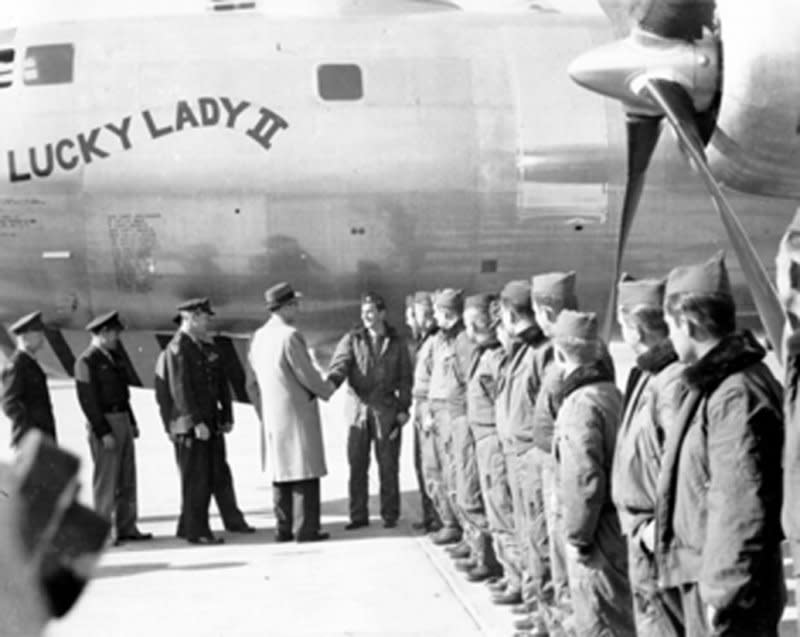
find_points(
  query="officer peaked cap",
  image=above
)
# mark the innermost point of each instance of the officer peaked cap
(706, 278)
(450, 299)
(197, 305)
(633, 293)
(110, 320)
(558, 285)
(29, 323)
(576, 325)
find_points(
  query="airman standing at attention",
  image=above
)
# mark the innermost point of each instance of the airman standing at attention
(419, 318)
(375, 361)
(519, 386)
(788, 283)
(653, 391)
(202, 412)
(26, 398)
(221, 481)
(487, 506)
(102, 381)
(718, 532)
(440, 397)
(584, 442)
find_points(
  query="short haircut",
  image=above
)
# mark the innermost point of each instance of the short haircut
(647, 318)
(714, 313)
(375, 299)
(580, 350)
(556, 303)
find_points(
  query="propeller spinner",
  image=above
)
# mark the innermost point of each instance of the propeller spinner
(669, 67)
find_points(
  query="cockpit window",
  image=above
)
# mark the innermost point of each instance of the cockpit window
(6, 67)
(340, 82)
(48, 64)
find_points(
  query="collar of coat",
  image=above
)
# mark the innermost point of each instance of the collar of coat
(531, 335)
(731, 355)
(596, 372)
(657, 357)
(363, 332)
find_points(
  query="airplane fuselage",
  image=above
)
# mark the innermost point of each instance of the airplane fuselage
(147, 161)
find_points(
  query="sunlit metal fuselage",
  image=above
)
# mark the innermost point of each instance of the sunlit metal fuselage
(415, 185)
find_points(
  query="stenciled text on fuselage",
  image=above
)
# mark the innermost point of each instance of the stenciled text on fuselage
(257, 122)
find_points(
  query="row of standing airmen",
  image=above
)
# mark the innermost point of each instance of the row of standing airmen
(656, 512)
(653, 512)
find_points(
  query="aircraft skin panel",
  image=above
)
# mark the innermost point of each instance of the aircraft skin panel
(416, 185)
(756, 147)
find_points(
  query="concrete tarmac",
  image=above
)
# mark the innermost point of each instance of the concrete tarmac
(372, 581)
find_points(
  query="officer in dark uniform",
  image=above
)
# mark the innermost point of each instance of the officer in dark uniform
(26, 399)
(201, 413)
(102, 380)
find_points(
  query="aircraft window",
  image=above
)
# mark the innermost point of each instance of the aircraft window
(6, 67)
(340, 82)
(48, 64)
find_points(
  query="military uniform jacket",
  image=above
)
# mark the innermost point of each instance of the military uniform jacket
(518, 388)
(791, 453)
(441, 373)
(102, 381)
(381, 379)
(653, 392)
(26, 399)
(719, 491)
(585, 438)
(482, 375)
(198, 386)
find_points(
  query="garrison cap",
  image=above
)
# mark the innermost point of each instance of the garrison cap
(482, 302)
(110, 320)
(29, 323)
(373, 298)
(280, 294)
(576, 325)
(421, 297)
(450, 299)
(633, 292)
(197, 305)
(710, 277)
(516, 293)
(558, 285)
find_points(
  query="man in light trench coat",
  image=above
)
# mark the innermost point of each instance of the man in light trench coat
(284, 388)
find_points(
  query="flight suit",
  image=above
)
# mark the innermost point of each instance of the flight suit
(102, 383)
(379, 377)
(200, 394)
(584, 443)
(440, 385)
(222, 488)
(26, 398)
(489, 510)
(518, 389)
(430, 518)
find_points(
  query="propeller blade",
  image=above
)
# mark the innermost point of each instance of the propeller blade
(643, 132)
(677, 106)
